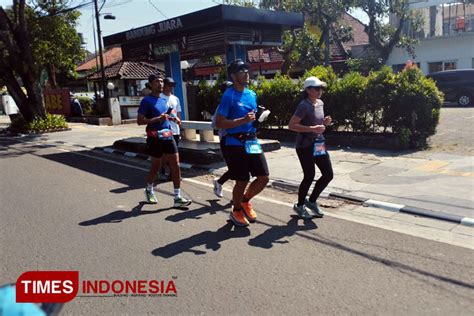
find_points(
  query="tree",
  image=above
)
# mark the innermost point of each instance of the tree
(16, 60)
(25, 46)
(322, 16)
(55, 41)
(384, 36)
(241, 3)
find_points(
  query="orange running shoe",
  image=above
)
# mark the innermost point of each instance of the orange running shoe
(238, 218)
(249, 212)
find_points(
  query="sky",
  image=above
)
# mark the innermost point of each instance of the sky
(135, 13)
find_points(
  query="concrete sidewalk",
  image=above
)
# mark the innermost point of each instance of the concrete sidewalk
(438, 182)
(429, 180)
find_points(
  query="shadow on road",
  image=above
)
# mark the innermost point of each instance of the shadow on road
(120, 215)
(211, 240)
(212, 209)
(275, 234)
(403, 268)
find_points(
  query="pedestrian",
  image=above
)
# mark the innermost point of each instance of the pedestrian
(174, 111)
(310, 124)
(161, 145)
(76, 105)
(146, 91)
(236, 114)
(218, 183)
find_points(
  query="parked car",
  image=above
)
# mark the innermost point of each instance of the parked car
(457, 85)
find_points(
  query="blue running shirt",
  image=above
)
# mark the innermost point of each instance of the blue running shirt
(234, 105)
(151, 107)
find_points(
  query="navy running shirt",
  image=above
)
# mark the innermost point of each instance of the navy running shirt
(151, 107)
(234, 105)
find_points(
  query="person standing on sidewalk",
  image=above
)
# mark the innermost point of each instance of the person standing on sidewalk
(153, 112)
(218, 183)
(236, 114)
(174, 110)
(310, 123)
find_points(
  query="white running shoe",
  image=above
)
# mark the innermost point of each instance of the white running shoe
(217, 189)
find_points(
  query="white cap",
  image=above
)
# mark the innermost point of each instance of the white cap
(314, 82)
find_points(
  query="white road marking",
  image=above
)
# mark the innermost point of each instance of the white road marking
(402, 227)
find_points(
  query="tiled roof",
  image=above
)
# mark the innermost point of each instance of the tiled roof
(111, 56)
(266, 55)
(128, 70)
(360, 37)
(340, 51)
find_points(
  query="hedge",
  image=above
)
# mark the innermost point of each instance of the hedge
(52, 122)
(406, 104)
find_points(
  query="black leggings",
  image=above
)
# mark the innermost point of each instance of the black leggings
(308, 161)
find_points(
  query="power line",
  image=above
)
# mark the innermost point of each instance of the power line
(159, 11)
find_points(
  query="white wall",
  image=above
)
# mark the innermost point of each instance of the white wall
(458, 48)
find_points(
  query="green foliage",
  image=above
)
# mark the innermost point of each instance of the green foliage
(383, 35)
(55, 42)
(50, 123)
(242, 3)
(348, 102)
(209, 95)
(406, 104)
(87, 105)
(280, 96)
(365, 65)
(307, 52)
(415, 105)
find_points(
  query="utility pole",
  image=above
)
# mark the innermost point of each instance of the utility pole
(102, 69)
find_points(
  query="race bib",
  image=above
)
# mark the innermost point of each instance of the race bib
(319, 148)
(165, 134)
(253, 147)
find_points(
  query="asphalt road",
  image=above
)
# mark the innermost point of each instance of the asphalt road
(78, 211)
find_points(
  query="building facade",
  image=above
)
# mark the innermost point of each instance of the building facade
(446, 39)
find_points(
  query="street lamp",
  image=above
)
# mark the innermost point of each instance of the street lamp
(108, 16)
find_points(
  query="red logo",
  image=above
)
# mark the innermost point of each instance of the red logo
(47, 286)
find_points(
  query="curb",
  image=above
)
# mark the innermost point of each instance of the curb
(285, 185)
(399, 208)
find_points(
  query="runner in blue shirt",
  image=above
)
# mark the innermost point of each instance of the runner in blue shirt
(244, 155)
(154, 113)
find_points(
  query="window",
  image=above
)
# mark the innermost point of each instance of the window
(441, 65)
(435, 67)
(449, 65)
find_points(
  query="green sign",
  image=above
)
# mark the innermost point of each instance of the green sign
(159, 50)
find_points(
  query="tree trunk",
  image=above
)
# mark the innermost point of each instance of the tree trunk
(19, 62)
(52, 77)
(35, 100)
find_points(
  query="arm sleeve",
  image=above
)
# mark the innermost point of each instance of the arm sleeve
(224, 107)
(300, 111)
(143, 109)
(178, 105)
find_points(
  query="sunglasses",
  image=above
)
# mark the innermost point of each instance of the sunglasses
(315, 88)
(242, 71)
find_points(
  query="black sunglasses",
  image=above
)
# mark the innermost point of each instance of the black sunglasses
(315, 88)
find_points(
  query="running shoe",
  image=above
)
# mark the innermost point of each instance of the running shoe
(217, 189)
(238, 218)
(249, 211)
(313, 206)
(302, 211)
(150, 197)
(181, 202)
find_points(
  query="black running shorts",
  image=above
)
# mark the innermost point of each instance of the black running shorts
(241, 164)
(157, 147)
